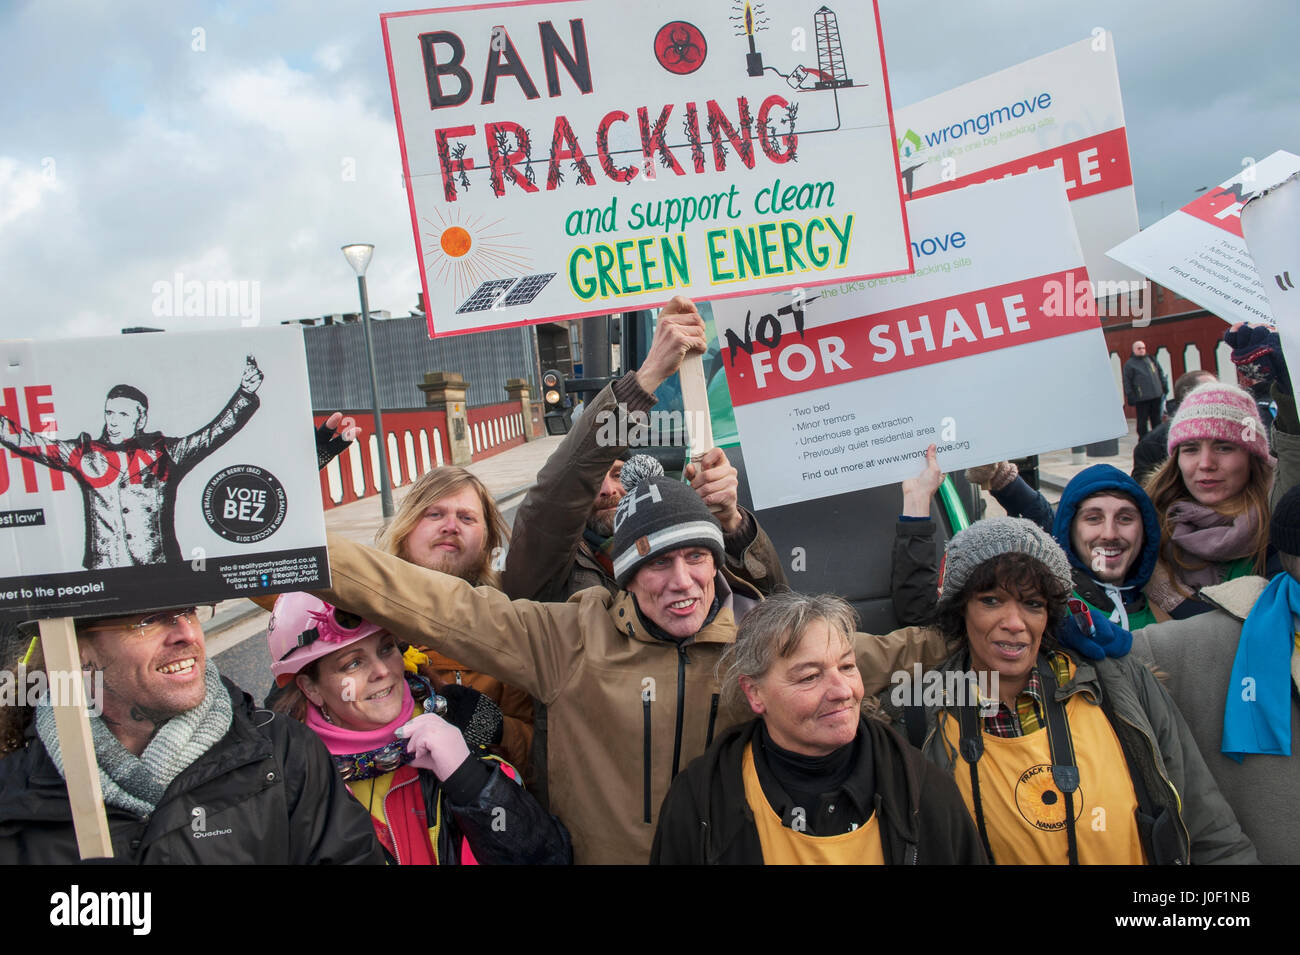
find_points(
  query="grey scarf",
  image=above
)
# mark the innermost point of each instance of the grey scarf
(137, 783)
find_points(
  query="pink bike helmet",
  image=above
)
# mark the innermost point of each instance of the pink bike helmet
(304, 628)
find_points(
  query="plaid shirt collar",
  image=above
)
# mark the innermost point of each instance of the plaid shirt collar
(1028, 715)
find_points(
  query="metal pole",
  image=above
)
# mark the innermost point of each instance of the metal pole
(385, 485)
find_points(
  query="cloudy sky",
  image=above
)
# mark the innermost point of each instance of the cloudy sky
(247, 141)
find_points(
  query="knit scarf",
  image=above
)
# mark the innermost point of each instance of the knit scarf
(365, 754)
(137, 783)
(1206, 534)
(1257, 717)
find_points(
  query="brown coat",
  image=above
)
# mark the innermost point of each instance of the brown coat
(607, 683)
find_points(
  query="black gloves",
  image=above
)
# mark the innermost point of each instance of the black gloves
(475, 715)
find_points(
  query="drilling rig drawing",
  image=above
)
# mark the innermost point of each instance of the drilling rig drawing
(830, 73)
(830, 54)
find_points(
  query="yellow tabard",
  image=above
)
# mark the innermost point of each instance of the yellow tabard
(1024, 812)
(782, 846)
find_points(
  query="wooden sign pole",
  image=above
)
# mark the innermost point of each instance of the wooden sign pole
(72, 721)
(695, 398)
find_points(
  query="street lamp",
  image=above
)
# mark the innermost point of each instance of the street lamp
(358, 256)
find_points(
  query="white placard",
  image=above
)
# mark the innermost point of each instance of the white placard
(1270, 223)
(1199, 251)
(156, 470)
(991, 350)
(1063, 108)
(575, 157)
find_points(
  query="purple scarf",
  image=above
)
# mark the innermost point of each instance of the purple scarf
(1204, 533)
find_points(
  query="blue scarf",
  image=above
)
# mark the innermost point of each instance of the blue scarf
(1257, 718)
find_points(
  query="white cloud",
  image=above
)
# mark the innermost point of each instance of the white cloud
(21, 188)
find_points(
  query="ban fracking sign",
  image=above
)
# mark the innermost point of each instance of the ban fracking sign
(574, 157)
(1061, 109)
(1198, 251)
(991, 350)
(135, 474)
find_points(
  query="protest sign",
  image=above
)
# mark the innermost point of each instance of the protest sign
(1062, 109)
(1270, 224)
(1199, 251)
(574, 157)
(147, 471)
(991, 350)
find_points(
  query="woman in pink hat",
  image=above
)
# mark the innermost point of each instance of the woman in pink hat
(434, 793)
(1212, 495)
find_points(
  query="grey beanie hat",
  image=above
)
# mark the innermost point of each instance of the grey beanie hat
(657, 516)
(993, 537)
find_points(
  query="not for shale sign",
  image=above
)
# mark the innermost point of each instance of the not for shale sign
(576, 157)
(991, 350)
(148, 471)
(1061, 109)
(1199, 252)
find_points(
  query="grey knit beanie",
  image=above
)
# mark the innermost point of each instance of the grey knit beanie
(994, 536)
(657, 516)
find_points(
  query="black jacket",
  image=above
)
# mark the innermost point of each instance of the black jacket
(265, 793)
(501, 821)
(1144, 380)
(706, 820)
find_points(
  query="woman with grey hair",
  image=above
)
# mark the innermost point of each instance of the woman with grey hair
(809, 780)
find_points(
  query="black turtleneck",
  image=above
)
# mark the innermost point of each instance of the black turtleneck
(836, 792)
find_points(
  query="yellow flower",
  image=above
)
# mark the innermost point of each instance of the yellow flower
(412, 659)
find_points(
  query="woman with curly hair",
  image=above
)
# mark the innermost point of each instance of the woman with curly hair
(1060, 759)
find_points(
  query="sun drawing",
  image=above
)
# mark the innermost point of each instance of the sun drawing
(468, 252)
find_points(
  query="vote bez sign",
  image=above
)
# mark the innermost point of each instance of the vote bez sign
(571, 158)
(133, 477)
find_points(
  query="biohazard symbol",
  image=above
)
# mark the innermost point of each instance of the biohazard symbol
(680, 47)
(1040, 802)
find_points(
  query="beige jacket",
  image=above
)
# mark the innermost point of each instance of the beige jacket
(612, 690)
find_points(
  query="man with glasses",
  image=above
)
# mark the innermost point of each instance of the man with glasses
(191, 772)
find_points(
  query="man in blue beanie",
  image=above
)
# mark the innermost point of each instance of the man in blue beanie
(1104, 522)
(1109, 529)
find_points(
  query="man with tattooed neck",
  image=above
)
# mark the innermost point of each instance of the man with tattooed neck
(191, 772)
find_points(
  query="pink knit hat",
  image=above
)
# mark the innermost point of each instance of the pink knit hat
(1221, 413)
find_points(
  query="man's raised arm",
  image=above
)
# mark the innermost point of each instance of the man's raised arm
(193, 448)
(553, 515)
(536, 647)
